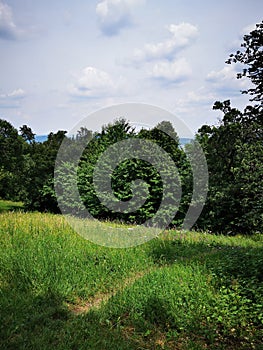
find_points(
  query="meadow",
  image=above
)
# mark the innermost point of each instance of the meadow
(182, 290)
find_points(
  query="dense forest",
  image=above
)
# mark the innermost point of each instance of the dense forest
(233, 150)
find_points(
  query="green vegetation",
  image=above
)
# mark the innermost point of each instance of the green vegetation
(9, 205)
(179, 291)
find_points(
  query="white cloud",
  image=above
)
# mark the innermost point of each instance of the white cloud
(247, 29)
(8, 29)
(236, 44)
(202, 96)
(113, 15)
(225, 80)
(17, 94)
(222, 75)
(182, 35)
(95, 83)
(175, 71)
(12, 99)
(199, 97)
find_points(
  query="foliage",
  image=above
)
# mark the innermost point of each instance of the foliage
(235, 155)
(12, 162)
(39, 184)
(124, 178)
(10, 205)
(251, 55)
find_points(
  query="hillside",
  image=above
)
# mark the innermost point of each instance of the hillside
(182, 290)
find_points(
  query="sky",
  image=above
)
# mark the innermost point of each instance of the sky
(61, 61)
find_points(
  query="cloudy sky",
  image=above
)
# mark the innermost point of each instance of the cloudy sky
(62, 60)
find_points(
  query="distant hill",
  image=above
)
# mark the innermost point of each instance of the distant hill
(184, 141)
(41, 138)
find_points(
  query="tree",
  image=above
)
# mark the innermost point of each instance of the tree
(111, 133)
(40, 185)
(84, 134)
(165, 136)
(234, 157)
(135, 181)
(27, 133)
(251, 55)
(11, 162)
(234, 152)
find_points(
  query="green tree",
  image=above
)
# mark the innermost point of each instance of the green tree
(40, 185)
(11, 162)
(234, 157)
(109, 135)
(234, 152)
(133, 177)
(27, 133)
(165, 136)
(251, 56)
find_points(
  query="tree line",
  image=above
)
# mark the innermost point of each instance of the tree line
(233, 150)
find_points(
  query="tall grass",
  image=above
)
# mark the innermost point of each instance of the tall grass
(41, 252)
(181, 290)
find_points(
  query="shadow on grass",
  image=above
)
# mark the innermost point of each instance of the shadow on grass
(228, 264)
(45, 322)
(231, 259)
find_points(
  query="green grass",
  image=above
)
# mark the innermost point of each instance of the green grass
(9, 205)
(181, 290)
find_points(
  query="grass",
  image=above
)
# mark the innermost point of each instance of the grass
(9, 205)
(182, 290)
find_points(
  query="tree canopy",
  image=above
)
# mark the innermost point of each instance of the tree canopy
(234, 152)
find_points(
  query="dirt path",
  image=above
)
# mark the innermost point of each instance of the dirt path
(100, 298)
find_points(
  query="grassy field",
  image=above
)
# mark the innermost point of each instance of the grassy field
(179, 291)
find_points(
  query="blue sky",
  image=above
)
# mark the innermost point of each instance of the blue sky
(62, 60)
